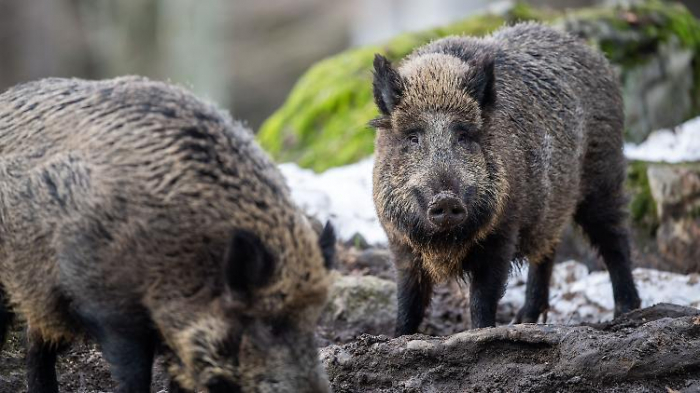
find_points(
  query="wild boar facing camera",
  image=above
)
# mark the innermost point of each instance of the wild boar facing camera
(485, 148)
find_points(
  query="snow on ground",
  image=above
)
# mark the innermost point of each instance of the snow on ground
(669, 146)
(344, 194)
(576, 296)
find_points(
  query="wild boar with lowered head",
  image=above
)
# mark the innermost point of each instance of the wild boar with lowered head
(485, 148)
(147, 219)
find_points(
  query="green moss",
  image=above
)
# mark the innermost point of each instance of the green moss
(522, 12)
(323, 123)
(642, 205)
(653, 22)
(658, 22)
(687, 29)
(694, 212)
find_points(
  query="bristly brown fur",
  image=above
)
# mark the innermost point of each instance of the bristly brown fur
(120, 197)
(525, 128)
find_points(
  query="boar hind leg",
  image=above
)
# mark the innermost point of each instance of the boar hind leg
(414, 290)
(127, 346)
(41, 364)
(5, 317)
(537, 292)
(602, 218)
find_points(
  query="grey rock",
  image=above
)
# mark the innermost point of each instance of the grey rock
(675, 189)
(679, 242)
(646, 350)
(360, 304)
(658, 92)
(658, 89)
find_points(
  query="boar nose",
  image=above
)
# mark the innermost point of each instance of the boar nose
(446, 211)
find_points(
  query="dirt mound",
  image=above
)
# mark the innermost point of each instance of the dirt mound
(654, 349)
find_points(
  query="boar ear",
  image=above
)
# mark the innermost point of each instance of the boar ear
(248, 264)
(327, 243)
(387, 84)
(483, 82)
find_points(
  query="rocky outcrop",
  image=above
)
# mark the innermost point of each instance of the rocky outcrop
(676, 191)
(534, 358)
(654, 45)
(356, 304)
(653, 48)
(654, 349)
(664, 220)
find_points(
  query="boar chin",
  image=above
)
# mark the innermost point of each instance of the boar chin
(422, 232)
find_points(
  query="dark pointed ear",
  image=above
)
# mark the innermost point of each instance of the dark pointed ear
(327, 243)
(387, 84)
(248, 264)
(483, 82)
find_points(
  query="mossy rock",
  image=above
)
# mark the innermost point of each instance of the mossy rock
(656, 48)
(323, 123)
(642, 205)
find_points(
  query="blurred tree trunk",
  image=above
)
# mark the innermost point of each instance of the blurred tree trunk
(176, 40)
(40, 38)
(121, 35)
(193, 37)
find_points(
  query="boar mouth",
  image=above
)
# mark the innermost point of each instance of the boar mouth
(446, 211)
(446, 219)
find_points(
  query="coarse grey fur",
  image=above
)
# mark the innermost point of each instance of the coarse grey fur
(138, 214)
(485, 148)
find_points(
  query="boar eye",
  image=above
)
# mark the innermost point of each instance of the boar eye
(465, 132)
(413, 137)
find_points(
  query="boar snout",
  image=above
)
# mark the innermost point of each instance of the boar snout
(446, 210)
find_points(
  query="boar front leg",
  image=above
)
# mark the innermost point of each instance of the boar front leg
(6, 317)
(414, 291)
(537, 293)
(127, 345)
(488, 267)
(41, 364)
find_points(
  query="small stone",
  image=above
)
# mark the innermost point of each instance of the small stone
(361, 304)
(358, 241)
(419, 345)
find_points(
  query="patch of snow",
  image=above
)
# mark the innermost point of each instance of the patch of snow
(343, 195)
(669, 146)
(576, 296)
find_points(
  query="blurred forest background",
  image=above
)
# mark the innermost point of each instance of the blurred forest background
(298, 71)
(244, 55)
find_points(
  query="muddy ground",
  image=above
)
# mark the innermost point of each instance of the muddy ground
(82, 370)
(656, 349)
